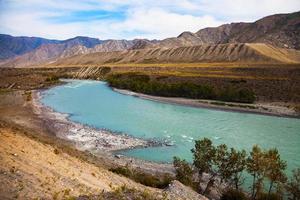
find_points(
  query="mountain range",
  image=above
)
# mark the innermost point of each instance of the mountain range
(273, 38)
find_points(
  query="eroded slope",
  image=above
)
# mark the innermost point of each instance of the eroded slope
(240, 53)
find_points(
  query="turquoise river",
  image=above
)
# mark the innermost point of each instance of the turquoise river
(93, 103)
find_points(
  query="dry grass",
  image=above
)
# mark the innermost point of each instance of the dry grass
(282, 55)
(209, 75)
(172, 65)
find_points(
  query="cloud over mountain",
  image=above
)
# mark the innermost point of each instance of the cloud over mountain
(119, 19)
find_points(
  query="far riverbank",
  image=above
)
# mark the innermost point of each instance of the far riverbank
(271, 109)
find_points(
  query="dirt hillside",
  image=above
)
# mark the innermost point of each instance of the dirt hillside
(240, 53)
(30, 169)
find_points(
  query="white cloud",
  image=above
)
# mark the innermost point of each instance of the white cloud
(157, 23)
(242, 10)
(142, 18)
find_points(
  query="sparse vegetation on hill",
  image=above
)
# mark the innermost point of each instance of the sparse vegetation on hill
(123, 192)
(184, 172)
(144, 178)
(143, 84)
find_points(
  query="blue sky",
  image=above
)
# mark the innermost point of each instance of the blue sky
(129, 19)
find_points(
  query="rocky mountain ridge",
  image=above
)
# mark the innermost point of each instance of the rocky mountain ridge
(281, 30)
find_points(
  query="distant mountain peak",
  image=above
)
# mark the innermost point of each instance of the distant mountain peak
(186, 34)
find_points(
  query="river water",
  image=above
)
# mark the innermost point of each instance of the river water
(93, 103)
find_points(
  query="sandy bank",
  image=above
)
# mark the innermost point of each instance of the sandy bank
(257, 108)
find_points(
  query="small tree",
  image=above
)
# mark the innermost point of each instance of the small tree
(204, 156)
(219, 161)
(230, 164)
(293, 186)
(274, 168)
(256, 167)
(222, 162)
(237, 164)
(184, 172)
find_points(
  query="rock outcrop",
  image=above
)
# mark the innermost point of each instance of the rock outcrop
(177, 190)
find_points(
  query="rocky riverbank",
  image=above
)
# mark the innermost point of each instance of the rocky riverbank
(85, 138)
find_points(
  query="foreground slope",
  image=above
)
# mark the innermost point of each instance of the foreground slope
(37, 170)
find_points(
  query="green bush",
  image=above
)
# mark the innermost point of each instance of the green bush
(52, 78)
(232, 194)
(105, 70)
(152, 181)
(123, 171)
(184, 171)
(124, 193)
(236, 95)
(144, 178)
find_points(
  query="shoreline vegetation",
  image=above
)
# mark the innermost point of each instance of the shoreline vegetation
(142, 83)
